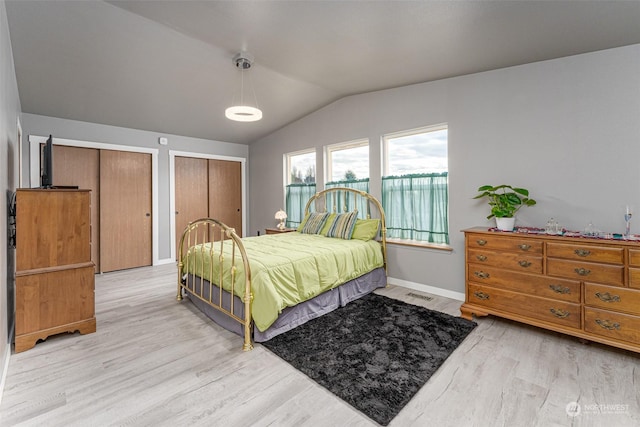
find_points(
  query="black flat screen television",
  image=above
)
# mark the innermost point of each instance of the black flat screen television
(46, 164)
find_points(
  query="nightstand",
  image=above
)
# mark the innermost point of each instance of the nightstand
(278, 231)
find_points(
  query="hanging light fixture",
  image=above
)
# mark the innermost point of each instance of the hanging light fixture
(243, 112)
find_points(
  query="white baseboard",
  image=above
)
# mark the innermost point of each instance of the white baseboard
(165, 261)
(5, 369)
(426, 288)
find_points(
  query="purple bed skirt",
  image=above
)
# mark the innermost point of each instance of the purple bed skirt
(290, 316)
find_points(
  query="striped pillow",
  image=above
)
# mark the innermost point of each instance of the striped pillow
(314, 223)
(327, 224)
(343, 224)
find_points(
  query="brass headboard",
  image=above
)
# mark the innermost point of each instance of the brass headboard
(343, 199)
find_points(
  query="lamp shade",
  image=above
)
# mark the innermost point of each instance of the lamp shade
(243, 113)
(280, 215)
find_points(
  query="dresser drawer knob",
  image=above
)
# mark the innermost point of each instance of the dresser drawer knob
(481, 242)
(582, 271)
(481, 274)
(560, 289)
(525, 247)
(481, 258)
(582, 252)
(561, 314)
(606, 324)
(524, 264)
(607, 297)
(481, 295)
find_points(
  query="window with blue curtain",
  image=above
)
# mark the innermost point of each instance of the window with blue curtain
(297, 196)
(300, 184)
(417, 207)
(346, 202)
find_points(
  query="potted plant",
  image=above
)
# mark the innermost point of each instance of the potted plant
(505, 201)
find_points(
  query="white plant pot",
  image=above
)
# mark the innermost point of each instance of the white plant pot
(505, 224)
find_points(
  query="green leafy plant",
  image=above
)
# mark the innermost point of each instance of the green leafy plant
(505, 200)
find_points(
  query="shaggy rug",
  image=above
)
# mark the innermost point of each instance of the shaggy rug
(375, 353)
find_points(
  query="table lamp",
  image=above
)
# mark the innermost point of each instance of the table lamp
(281, 216)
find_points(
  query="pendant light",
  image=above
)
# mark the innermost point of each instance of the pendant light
(244, 112)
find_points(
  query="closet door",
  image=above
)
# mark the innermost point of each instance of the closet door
(81, 166)
(191, 192)
(225, 193)
(125, 214)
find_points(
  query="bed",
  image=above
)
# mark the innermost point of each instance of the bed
(262, 286)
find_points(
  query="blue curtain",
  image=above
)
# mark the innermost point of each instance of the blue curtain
(297, 196)
(417, 207)
(347, 203)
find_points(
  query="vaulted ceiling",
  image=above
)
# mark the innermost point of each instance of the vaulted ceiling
(166, 66)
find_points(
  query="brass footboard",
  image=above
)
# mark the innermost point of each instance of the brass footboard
(210, 240)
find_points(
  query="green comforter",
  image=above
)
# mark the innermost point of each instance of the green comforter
(288, 268)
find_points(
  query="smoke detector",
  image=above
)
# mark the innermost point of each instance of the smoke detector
(243, 60)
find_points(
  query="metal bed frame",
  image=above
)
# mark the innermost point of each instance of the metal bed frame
(208, 230)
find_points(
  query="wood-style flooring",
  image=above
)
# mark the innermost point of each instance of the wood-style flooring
(157, 362)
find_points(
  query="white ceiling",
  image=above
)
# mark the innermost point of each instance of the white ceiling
(166, 66)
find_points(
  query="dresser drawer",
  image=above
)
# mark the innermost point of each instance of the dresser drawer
(600, 273)
(548, 310)
(512, 261)
(497, 243)
(590, 253)
(612, 298)
(612, 325)
(634, 257)
(542, 286)
(634, 278)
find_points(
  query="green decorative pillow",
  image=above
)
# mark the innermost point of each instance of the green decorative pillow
(366, 229)
(327, 224)
(343, 224)
(304, 221)
(314, 223)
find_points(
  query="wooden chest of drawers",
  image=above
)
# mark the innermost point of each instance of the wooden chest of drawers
(588, 288)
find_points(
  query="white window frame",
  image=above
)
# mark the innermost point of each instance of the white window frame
(401, 134)
(287, 163)
(385, 172)
(330, 149)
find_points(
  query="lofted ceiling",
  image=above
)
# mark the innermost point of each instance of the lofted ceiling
(166, 66)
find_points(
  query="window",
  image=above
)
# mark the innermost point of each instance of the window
(348, 161)
(348, 166)
(415, 194)
(300, 184)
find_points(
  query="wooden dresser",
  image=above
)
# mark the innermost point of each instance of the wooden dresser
(54, 272)
(588, 288)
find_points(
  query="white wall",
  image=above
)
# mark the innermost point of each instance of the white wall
(566, 129)
(82, 131)
(9, 112)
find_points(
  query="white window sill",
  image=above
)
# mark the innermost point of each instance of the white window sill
(419, 244)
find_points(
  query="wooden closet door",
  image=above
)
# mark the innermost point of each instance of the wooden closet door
(191, 193)
(125, 214)
(81, 167)
(225, 193)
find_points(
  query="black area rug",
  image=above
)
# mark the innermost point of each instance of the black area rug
(375, 353)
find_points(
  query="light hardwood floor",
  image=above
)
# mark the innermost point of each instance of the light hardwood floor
(155, 361)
